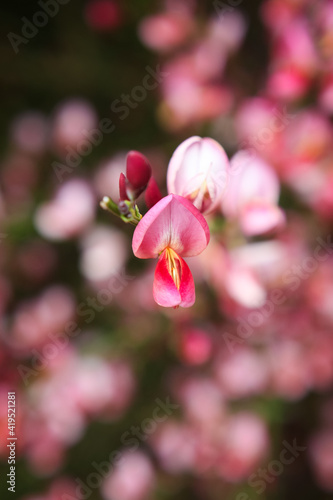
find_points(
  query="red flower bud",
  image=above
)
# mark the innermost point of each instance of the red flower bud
(138, 170)
(123, 187)
(152, 194)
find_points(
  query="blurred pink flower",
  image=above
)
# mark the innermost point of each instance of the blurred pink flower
(35, 321)
(326, 93)
(252, 195)
(294, 60)
(236, 283)
(73, 121)
(242, 373)
(228, 30)
(69, 213)
(320, 290)
(279, 13)
(30, 132)
(195, 346)
(202, 400)
(103, 15)
(104, 252)
(45, 453)
(245, 445)
(175, 445)
(187, 100)
(290, 374)
(19, 177)
(132, 479)
(166, 31)
(108, 398)
(288, 84)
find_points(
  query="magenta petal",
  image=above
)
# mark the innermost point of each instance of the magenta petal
(138, 170)
(165, 291)
(122, 187)
(175, 223)
(186, 289)
(261, 217)
(152, 194)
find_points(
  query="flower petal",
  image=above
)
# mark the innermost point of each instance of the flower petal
(165, 291)
(260, 217)
(176, 162)
(175, 223)
(138, 170)
(122, 187)
(186, 289)
(198, 170)
(152, 194)
(251, 179)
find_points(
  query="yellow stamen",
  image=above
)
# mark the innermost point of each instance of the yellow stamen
(200, 197)
(174, 266)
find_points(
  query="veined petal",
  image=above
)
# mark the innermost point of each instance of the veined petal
(198, 170)
(173, 281)
(176, 162)
(175, 223)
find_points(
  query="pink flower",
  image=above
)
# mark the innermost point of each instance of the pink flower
(252, 195)
(138, 170)
(245, 445)
(195, 346)
(69, 213)
(198, 170)
(29, 132)
(166, 31)
(172, 229)
(132, 479)
(73, 120)
(152, 194)
(138, 173)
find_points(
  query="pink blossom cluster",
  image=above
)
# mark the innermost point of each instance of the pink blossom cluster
(195, 89)
(233, 223)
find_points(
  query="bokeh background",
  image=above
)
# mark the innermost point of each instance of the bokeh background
(201, 403)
